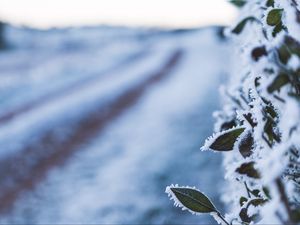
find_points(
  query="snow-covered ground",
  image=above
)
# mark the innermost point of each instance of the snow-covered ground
(96, 122)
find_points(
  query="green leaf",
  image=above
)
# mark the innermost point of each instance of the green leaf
(256, 192)
(249, 170)
(278, 83)
(281, 80)
(228, 125)
(270, 132)
(248, 219)
(250, 120)
(244, 211)
(244, 215)
(238, 3)
(270, 110)
(270, 3)
(239, 28)
(279, 27)
(267, 192)
(191, 199)
(243, 200)
(269, 70)
(293, 45)
(296, 215)
(257, 81)
(225, 141)
(258, 52)
(246, 145)
(274, 17)
(257, 202)
(290, 46)
(284, 53)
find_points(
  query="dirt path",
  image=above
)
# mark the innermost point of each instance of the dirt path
(24, 171)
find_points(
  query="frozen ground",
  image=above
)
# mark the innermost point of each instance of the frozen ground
(95, 122)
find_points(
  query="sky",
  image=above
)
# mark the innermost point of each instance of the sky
(162, 13)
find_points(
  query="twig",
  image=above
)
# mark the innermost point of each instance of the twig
(222, 218)
(284, 197)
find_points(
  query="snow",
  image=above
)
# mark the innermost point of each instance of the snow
(294, 63)
(217, 218)
(58, 68)
(118, 176)
(78, 101)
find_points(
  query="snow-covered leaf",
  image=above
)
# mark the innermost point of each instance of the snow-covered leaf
(255, 192)
(258, 52)
(228, 125)
(266, 192)
(296, 214)
(270, 3)
(281, 80)
(225, 140)
(243, 200)
(238, 3)
(278, 28)
(248, 117)
(249, 170)
(244, 213)
(244, 216)
(289, 47)
(269, 131)
(246, 145)
(257, 201)
(239, 28)
(270, 110)
(284, 53)
(190, 199)
(274, 17)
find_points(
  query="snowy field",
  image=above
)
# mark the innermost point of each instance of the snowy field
(96, 122)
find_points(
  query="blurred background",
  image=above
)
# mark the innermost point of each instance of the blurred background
(105, 103)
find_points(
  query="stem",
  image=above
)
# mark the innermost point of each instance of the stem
(280, 217)
(266, 140)
(284, 197)
(248, 191)
(279, 99)
(222, 218)
(294, 3)
(294, 151)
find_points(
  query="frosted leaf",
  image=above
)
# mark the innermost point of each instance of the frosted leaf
(246, 144)
(248, 168)
(191, 199)
(223, 141)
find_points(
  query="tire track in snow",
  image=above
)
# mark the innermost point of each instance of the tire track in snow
(43, 100)
(24, 171)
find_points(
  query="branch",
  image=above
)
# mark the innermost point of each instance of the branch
(284, 198)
